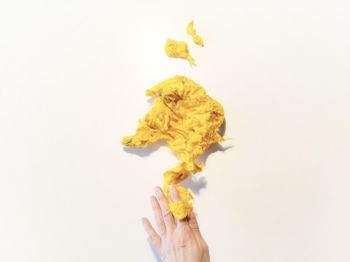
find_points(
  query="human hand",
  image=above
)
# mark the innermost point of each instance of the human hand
(175, 240)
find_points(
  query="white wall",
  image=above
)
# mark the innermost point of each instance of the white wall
(72, 81)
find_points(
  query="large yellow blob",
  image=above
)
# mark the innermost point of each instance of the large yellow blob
(188, 120)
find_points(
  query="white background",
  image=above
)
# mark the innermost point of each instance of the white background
(72, 81)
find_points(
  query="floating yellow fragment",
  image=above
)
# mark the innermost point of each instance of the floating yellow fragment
(192, 32)
(178, 49)
(186, 118)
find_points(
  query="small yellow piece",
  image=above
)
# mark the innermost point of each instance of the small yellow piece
(178, 49)
(188, 120)
(183, 207)
(192, 32)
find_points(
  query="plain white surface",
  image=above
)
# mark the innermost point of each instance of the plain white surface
(72, 81)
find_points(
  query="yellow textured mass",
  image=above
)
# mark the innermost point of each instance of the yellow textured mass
(186, 118)
(178, 49)
(192, 32)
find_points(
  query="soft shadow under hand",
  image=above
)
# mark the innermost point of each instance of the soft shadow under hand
(154, 251)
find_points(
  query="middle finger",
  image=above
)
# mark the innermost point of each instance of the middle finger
(167, 215)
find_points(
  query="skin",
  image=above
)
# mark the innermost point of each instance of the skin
(175, 240)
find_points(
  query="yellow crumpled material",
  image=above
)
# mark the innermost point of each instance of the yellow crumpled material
(198, 40)
(188, 120)
(178, 49)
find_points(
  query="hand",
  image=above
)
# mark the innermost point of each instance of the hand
(175, 240)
